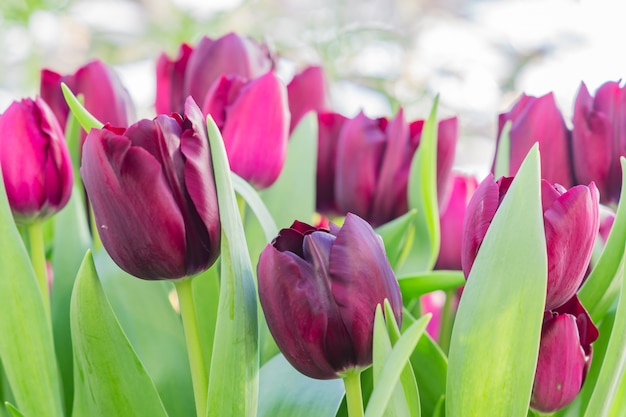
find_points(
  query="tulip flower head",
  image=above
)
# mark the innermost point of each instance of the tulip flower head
(307, 92)
(319, 290)
(564, 356)
(571, 222)
(153, 195)
(35, 161)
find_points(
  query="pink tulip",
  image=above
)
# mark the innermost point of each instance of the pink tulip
(307, 92)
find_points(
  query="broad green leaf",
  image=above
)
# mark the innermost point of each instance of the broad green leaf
(396, 236)
(420, 284)
(393, 368)
(26, 344)
(110, 378)
(85, 119)
(598, 292)
(206, 293)
(503, 155)
(422, 196)
(495, 340)
(618, 408)
(284, 392)
(257, 205)
(234, 379)
(613, 364)
(14, 412)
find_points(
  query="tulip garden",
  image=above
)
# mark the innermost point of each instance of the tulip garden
(248, 251)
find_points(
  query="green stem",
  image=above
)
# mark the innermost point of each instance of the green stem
(447, 320)
(199, 376)
(38, 259)
(354, 397)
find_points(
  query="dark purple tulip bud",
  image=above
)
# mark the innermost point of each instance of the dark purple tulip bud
(253, 117)
(571, 222)
(319, 290)
(153, 195)
(564, 356)
(329, 128)
(170, 79)
(538, 119)
(307, 92)
(372, 160)
(451, 222)
(35, 161)
(599, 138)
(104, 95)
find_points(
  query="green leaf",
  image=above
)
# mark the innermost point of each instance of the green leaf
(614, 362)
(12, 410)
(393, 368)
(422, 196)
(257, 205)
(598, 292)
(503, 155)
(85, 119)
(233, 383)
(73, 139)
(420, 284)
(26, 344)
(396, 235)
(110, 378)
(285, 392)
(495, 340)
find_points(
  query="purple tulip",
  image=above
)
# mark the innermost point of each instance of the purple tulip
(170, 79)
(367, 163)
(307, 92)
(35, 161)
(253, 117)
(599, 138)
(537, 119)
(104, 95)
(564, 356)
(319, 290)
(451, 222)
(570, 219)
(153, 195)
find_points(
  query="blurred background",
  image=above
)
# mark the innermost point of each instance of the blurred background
(478, 55)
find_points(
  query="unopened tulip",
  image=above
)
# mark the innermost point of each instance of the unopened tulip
(538, 119)
(599, 138)
(170, 79)
(153, 195)
(35, 161)
(371, 160)
(319, 290)
(253, 117)
(104, 95)
(329, 128)
(564, 356)
(307, 92)
(570, 219)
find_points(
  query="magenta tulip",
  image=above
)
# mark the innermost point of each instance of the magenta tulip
(153, 195)
(307, 92)
(537, 119)
(564, 356)
(253, 117)
(104, 95)
(319, 290)
(571, 224)
(599, 138)
(170, 79)
(35, 161)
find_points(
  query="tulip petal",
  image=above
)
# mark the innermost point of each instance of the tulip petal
(170, 76)
(144, 235)
(330, 125)
(306, 92)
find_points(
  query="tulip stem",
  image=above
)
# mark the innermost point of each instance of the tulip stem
(38, 259)
(447, 321)
(199, 376)
(354, 397)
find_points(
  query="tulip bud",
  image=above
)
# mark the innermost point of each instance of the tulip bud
(599, 138)
(329, 128)
(564, 356)
(35, 161)
(306, 92)
(153, 195)
(537, 119)
(170, 78)
(570, 219)
(253, 117)
(319, 290)
(104, 95)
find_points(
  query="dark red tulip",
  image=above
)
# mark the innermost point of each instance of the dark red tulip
(153, 195)
(307, 92)
(599, 138)
(564, 356)
(35, 161)
(319, 290)
(570, 220)
(538, 119)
